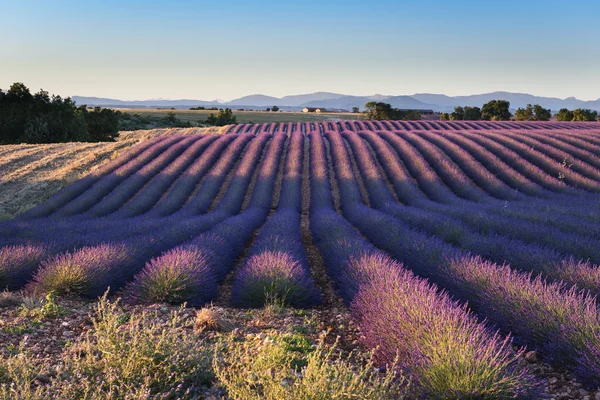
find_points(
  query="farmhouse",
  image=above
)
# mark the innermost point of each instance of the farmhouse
(315, 110)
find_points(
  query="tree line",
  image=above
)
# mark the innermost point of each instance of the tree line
(42, 118)
(384, 111)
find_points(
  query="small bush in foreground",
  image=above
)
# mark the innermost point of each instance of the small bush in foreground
(82, 271)
(271, 371)
(180, 275)
(123, 357)
(272, 276)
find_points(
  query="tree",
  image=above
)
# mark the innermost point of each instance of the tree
(268, 108)
(472, 113)
(584, 115)
(525, 114)
(102, 123)
(444, 117)
(355, 110)
(541, 113)
(458, 114)
(496, 110)
(379, 111)
(564, 115)
(223, 117)
(383, 111)
(39, 118)
(275, 108)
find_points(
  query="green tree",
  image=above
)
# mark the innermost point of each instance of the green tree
(223, 117)
(444, 117)
(496, 110)
(458, 114)
(564, 115)
(584, 115)
(379, 111)
(39, 118)
(384, 111)
(268, 108)
(102, 123)
(275, 108)
(472, 113)
(525, 114)
(355, 110)
(541, 113)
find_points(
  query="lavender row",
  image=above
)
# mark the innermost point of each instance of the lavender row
(130, 186)
(215, 161)
(204, 197)
(550, 166)
(423, 125)
(561, 323)
(276, 268)
(105, 185)
(408, 193)
(146, 198)
(191, 272)
(139, 244)
(496, 248)
(405, 317)
(74, 190)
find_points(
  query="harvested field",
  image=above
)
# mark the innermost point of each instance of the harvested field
(31, 173)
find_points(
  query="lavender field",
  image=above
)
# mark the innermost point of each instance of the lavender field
(451, 243)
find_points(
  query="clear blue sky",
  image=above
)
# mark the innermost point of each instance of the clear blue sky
(226, 49)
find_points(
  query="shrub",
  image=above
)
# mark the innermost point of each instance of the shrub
(124, 356)
(270, 371)
(18, 263)
(272, 275)
(180, 275)
(83, 271)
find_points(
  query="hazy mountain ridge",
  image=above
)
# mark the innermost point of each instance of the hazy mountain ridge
(335, 101)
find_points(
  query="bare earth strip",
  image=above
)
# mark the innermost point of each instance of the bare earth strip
(30, 174)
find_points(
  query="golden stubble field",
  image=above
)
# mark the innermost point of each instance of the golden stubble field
(31, 173)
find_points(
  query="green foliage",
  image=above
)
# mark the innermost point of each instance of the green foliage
(564, 115)
(466, 113)
(274, 109)
(41, 118)
(355, 110)
(102, 123)
(444, 117)
(47, 308)
(383, 111)
(533, 113)
(223, 117)
(271, 371)
(458, 114)
(496, 110)
(472, 113)
(584, 115)
(576, 115)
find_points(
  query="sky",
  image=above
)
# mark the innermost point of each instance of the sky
(136, 50)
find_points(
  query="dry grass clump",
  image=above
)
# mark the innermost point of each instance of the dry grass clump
(124, 356)
(211, 319)
(287, 367)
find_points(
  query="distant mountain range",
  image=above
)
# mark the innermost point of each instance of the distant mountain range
(335, 101)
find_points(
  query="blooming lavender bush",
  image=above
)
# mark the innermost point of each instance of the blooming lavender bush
(184, 274)
(18, 263)
(273, 276)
